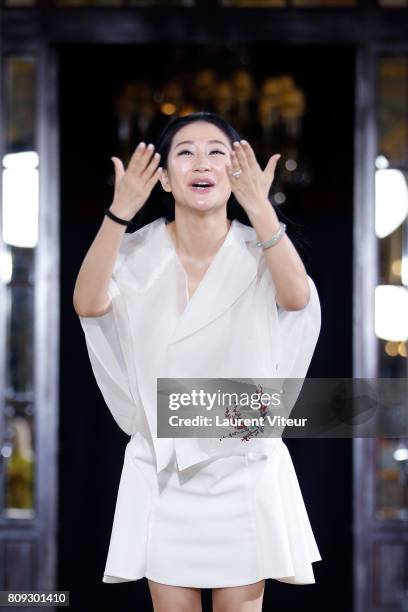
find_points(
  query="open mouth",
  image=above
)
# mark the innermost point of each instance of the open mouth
(202, 186)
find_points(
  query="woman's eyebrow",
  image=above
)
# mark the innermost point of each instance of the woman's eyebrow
(191, 142)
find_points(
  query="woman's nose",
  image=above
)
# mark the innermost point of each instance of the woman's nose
(201, 162)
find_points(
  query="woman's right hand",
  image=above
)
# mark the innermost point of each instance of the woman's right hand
(133, 186)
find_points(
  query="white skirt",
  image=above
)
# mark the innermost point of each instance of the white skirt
(229, 521)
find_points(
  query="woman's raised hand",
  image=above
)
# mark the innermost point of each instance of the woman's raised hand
(251, 186)
(133, 186)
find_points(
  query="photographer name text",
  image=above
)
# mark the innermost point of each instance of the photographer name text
(206, 421)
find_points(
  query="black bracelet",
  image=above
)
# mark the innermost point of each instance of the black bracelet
(115, 218)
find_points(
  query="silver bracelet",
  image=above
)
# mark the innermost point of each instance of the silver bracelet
(272, 241)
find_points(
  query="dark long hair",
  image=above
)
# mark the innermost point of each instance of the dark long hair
(160, 202)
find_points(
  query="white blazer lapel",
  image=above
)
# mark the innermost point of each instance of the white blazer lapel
(232, 270)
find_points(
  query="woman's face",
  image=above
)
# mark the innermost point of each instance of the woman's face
(198, 154)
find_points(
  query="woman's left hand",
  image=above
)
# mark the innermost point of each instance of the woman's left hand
(251, 188)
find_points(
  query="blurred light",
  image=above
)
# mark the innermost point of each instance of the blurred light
(390, 312)
(381, 162)
(279, 197)
(20, 202)
(6, 451)
(168, 108)
(24, 160)
(401, 452)
(391, 349)
(290, 165)
(402, 349)
(6, 267)
(396, 267)
(391, 201)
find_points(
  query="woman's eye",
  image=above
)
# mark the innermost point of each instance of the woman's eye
(215, 151)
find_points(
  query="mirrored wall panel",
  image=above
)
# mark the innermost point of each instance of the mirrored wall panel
(391, 292)
(19, 208)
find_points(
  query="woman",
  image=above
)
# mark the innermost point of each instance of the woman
(199, 297)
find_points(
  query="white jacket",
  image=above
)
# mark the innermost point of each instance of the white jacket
(231, 328)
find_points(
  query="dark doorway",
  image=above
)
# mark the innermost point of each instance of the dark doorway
(91, 79)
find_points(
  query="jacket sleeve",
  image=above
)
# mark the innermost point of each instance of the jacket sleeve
(295, 332)
(298, 332)
(104, 342)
